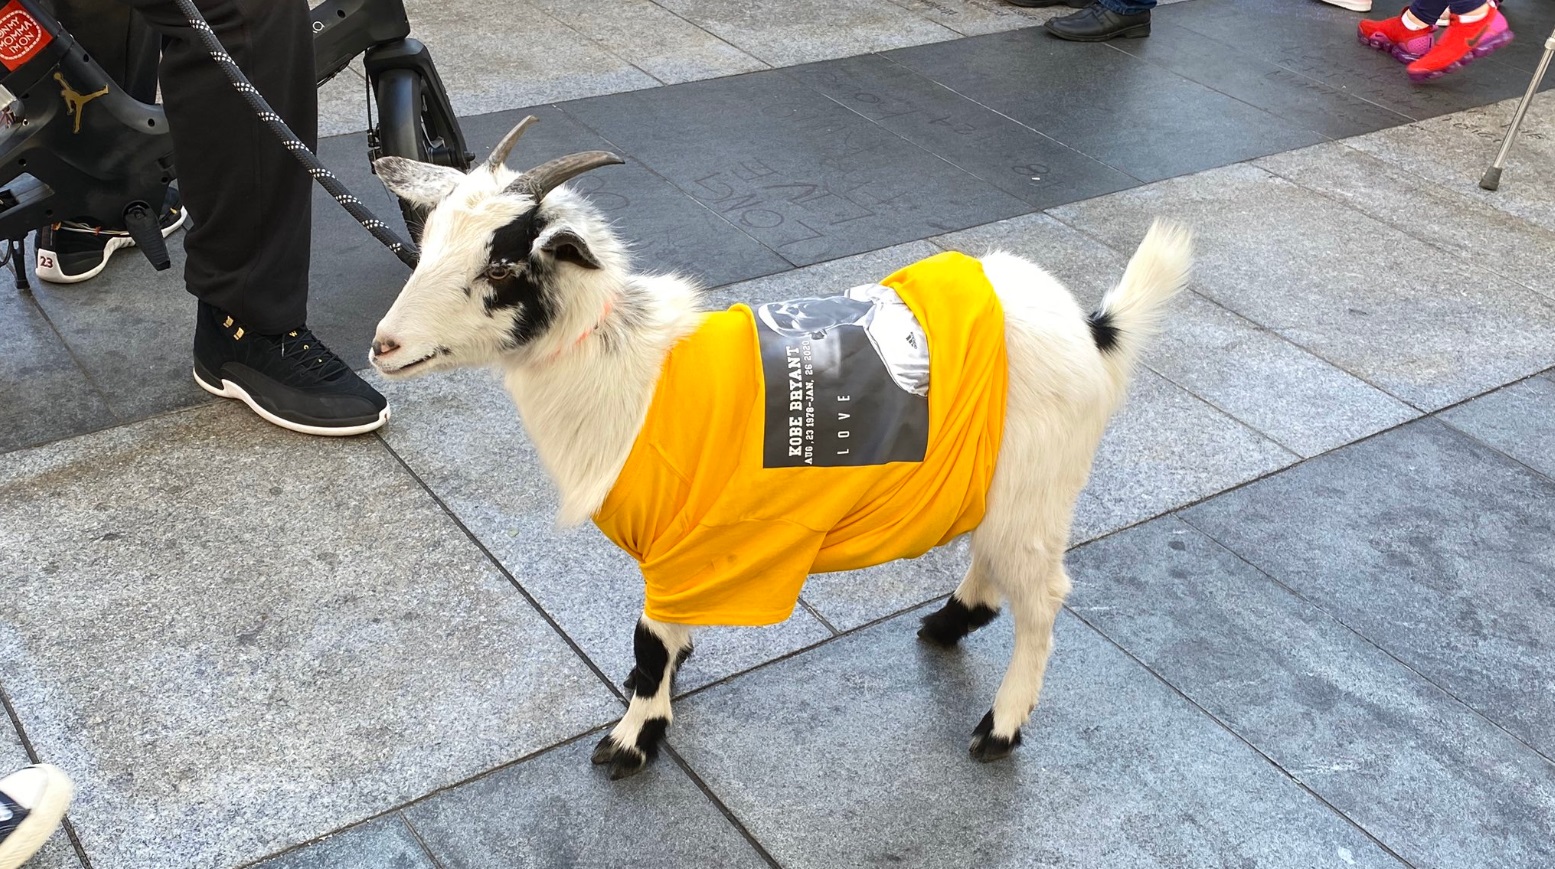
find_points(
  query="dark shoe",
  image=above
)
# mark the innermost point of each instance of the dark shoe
(290, 379)
(32, 802)
(73, 251)
(1043, 4)
(1097, 23)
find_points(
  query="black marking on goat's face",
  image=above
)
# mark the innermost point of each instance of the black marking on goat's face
(517, 280)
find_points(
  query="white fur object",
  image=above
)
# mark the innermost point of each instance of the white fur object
(583, 382)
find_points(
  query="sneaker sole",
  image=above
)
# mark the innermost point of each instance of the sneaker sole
(1489, 46)
(1388, 46)
(228, 389)
(1138, 31)
(41, 820)
(53, 275)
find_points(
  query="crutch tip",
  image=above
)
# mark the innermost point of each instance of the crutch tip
(1491, 180)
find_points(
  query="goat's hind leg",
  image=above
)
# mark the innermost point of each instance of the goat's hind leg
(659, 648)
(974, 603)
(1036, 589)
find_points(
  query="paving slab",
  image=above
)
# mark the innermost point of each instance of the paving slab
(1454, 151)
(382, 843)
(855, 754)
(798, 172)
(977, 17)
(1436, 783)
(44, 393)
(238, 639)
(1238, 367)
(1244, 71)
(1164, 449)
(666, 229)
(1370, 299)
(788, 32)
(1181, 127)
(498, 54)
(1320, 42)
(1429, 544)
(560, 810)
(130, 329)
(57, 852)
(1518, 420)
(462, 436)
(1467, 228)
(653, 39)
(1016, 159)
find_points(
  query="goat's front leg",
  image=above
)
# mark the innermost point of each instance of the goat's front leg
(659, 648)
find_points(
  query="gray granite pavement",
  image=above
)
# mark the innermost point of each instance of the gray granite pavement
(1312, 623)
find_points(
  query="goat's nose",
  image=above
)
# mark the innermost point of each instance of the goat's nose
(384, 346)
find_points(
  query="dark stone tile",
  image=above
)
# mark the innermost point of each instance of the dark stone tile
(384, 843)
(667, 230)
(1518, 420)
(1241, 71)
(1430, 544)
(558, 810)
(855, 755)
(1013, 158)
(1112, 106)
(132, 329)
(1433, 781)
(797, 171)
(44, 394)
(1320, 42)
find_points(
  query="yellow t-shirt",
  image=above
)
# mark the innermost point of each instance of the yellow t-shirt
(724, 537)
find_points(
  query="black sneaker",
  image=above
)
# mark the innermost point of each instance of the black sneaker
(32, 802)
(73, 251)
(290, 379)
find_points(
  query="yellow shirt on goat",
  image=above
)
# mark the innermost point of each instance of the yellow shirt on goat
(813, 436)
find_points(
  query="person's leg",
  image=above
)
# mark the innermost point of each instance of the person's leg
(1129, 7)
(251, 201)
(252, 204)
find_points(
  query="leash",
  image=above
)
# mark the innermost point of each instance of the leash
(407, 252)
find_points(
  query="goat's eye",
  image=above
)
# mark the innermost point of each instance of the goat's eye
(499, 271)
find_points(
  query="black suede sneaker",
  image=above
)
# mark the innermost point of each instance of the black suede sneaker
(73, 251)
(290, 379)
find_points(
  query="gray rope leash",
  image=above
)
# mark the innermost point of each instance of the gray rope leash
(406, 251)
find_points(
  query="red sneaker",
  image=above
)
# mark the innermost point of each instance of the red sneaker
(1462, 44)
(1392, 36)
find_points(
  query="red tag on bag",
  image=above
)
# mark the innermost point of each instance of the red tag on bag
(21, 36)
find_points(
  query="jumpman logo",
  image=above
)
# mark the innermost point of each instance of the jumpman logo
(75, 102)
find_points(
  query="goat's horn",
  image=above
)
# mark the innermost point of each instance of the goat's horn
(499, 154)
(548, 176)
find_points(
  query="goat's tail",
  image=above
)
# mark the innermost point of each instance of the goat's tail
(1131, 311)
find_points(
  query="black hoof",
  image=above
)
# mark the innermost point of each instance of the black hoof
(624, 760)
(604, 751)
(986, 747)
(948, 625)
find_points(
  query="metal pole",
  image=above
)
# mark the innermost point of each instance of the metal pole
(1492, 177)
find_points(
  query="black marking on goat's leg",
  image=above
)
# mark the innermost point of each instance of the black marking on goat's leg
(946, 626)
(986, 746)
(635, 739)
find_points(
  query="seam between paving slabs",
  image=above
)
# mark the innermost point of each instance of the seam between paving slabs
(595, 42)
(33, 757)
(1237, 736)
(1313, 604)
(1391, 223)
(416, 834)
(102, 394)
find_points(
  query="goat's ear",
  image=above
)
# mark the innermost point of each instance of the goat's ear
(566, 245)
(415, 182)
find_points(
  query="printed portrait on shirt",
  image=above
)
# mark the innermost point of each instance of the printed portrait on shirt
(847, 380)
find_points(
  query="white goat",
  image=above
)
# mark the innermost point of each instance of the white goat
(520, 273)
